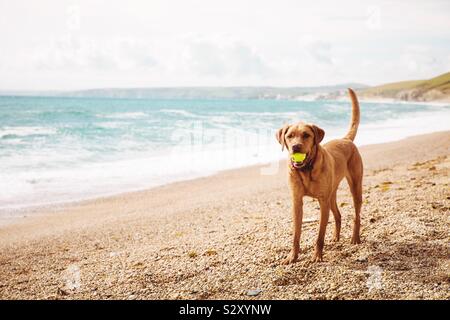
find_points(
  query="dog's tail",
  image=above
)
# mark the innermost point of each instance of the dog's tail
(351, 134)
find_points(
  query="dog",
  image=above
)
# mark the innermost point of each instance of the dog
(319, 174)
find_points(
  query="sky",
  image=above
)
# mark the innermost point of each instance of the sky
(71, 45)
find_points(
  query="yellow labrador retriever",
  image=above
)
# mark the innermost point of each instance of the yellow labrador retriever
(319, 175)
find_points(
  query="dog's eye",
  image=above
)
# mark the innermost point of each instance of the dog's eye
(290, 136)
(305, 135)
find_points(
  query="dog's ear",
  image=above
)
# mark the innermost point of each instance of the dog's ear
(319, 133)
(280, 135)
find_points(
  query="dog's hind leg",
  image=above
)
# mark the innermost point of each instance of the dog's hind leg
(337, 218)
(354, 179)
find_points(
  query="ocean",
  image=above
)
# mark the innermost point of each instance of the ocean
(57, 149)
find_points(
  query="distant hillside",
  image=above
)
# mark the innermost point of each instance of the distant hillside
(289, 93)
(213, 92)
(435, 89)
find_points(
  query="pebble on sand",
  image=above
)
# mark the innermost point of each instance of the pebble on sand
(253, 293)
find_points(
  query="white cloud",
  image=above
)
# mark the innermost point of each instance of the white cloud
(69, 44)
(318, 49)
(71, 53)
(202, 57)
(222, 56)
(421, 60)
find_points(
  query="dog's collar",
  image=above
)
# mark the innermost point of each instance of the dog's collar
(307, 167)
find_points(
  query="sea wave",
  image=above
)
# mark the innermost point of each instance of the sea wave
(179, 112)
(14, 132)
(269, 114)
(123, 115)
(109, 125)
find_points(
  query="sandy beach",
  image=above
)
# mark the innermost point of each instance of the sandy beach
(224, 236)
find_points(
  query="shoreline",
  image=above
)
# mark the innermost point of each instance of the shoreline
(10, 213)
(434, 103)
(219, 236)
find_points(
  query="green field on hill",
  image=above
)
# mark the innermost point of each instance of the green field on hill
(437, 88)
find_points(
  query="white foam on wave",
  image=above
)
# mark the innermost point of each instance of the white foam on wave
(13, 141)
(399, 128)
(395, 129)
(25, 131)
(87, 180)
(402, 102)
(224, 115)
(179, 112)
(289, 114)
(109, 125)
(123, 115)
(337, 108)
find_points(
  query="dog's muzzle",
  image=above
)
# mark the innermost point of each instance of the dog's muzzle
(299, 165)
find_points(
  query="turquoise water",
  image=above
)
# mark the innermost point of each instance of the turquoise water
(61, 149)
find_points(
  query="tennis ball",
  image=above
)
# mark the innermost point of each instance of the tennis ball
(298, 157)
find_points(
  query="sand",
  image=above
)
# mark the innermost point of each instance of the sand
(221, 237)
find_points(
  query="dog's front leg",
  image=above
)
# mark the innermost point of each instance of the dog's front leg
(324, 216)
(297, 217)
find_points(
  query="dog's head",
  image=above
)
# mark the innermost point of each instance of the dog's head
(300, 138)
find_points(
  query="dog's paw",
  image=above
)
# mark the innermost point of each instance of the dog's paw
(290, 259)
(355, 240)
(335, 239)
(318, 257)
